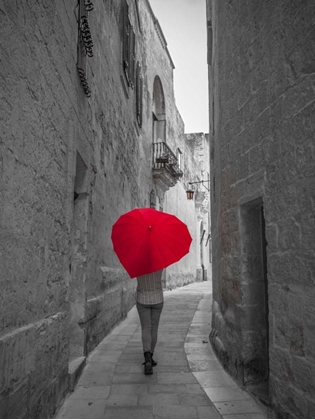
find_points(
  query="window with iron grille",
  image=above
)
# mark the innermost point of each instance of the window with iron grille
(139, 92)
(128, 53)
(85, 43)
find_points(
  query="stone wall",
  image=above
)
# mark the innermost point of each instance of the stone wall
(195, 213)
(38, 129)
(70, 166)
(261, 72)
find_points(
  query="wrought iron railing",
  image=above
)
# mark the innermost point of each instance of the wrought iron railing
(163, 157)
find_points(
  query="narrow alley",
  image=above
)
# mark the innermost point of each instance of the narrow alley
(188, 382)
(91, 130)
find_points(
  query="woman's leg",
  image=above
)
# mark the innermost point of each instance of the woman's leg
(156, 311)
(144, 312)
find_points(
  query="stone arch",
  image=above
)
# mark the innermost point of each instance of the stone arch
(158, 98)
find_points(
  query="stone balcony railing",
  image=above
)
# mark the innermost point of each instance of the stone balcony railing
(165, 165)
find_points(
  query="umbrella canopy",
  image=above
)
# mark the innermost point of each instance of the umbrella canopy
(147, 240)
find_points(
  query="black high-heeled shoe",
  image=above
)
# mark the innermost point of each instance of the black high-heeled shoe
(147, 363)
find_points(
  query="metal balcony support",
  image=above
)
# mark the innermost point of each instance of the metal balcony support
(165, 168)
(164, 158)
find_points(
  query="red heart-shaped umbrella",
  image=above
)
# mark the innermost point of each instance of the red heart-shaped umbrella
(147, 240)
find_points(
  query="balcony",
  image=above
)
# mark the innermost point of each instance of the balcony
(165, 166)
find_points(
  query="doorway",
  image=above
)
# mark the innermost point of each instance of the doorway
(78, 262)
(202, 235)
(255, 330)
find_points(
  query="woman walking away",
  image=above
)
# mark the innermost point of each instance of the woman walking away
(150, 302)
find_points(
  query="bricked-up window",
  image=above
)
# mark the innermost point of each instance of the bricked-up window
(139, 94)
(128, 58)
(85, 43)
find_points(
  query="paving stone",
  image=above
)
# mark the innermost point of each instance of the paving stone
(91, 392)
(134, 345)
(169, 336)
(197, 350)
(237, 407)
(175, 412)
(176, 378)
(119, 400)
(202, 318)
(204, 365)
(129, 389)
(127, 327)
(172, 352)
(126, 368)
(214, 378)
(108, 356)
(176, 388)
(192, 338)
(174, 361)
(130, 412)
(175, 326)
(159, 399)
(82, 409)
(180, 314)
(167, 369)
(135, 340)
(189, 399)
(134, 378)
(94, 378)
(134, 349)
(220, 394)
(115, 339)
(111, 346)
(201, 343)
(171, 349)
(166, 361)
(131, 358)
(170, 345)
(127, 334)
(246, 416)
(200, 329)
(208, 412)
(203, 356)
(100, 367)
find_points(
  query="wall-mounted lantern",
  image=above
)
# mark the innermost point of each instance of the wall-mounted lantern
(190, 192)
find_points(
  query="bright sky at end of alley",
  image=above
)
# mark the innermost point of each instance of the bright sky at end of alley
(184, 25)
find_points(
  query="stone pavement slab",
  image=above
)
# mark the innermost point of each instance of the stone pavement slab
(227, 397)
(188, 382)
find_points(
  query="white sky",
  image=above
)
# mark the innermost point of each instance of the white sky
(184, 25)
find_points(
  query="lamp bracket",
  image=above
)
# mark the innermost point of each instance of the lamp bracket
(201, 182)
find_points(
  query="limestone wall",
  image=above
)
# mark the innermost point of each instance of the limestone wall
(70, 166)
(195, 213)
(262, 155)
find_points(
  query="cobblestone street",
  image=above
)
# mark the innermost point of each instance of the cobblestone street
(188, 381)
